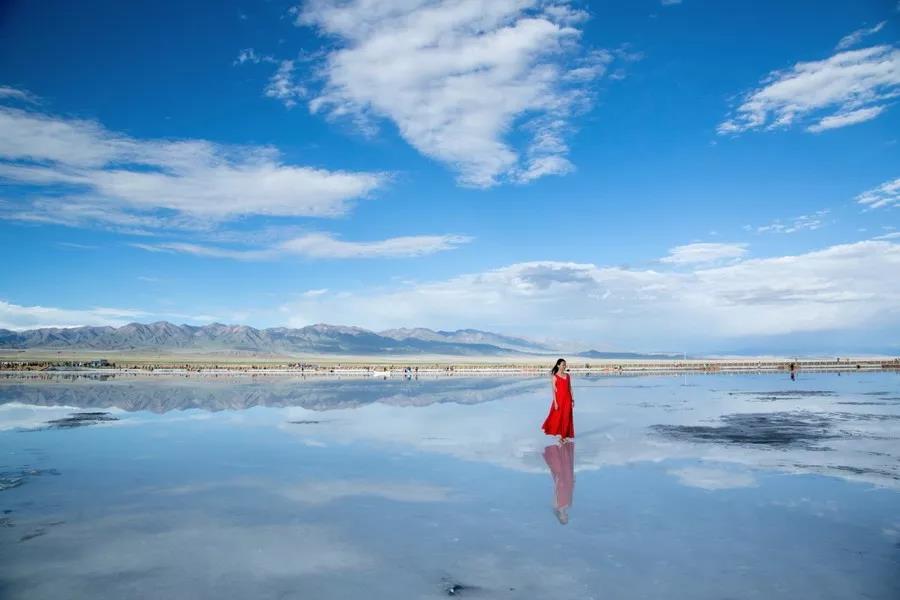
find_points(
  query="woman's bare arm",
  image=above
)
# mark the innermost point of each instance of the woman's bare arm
(553, 391)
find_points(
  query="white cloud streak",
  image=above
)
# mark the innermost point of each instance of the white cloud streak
(847, 88)
(322, 246)
(325, 246)
(10, 93)
(844, 119)
(801, 223)
(704, 253)
(457, 77)
(886, 195)
(854, 38)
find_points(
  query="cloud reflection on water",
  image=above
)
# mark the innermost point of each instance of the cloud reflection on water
(285, 488)
(621, 420)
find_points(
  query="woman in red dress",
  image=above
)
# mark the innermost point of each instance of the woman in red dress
(559, 421)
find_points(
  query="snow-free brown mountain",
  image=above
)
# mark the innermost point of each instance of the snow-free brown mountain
(314, 339)
(321, 339)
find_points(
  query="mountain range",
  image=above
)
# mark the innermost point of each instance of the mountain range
(163, 336)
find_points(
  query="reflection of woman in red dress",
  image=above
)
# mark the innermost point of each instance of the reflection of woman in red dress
(561, 460)
(559, 421)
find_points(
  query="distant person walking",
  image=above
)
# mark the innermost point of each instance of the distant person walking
(559, 421)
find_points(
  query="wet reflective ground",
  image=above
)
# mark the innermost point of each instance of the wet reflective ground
(749, 486)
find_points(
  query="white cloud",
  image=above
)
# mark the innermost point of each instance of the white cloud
(15, 317)
(109, 176)
(801, 223)
(282, 85)
(704, 253)
(856, 37)
(77, 246)
(313, 293)
(206, 251)
(323, 246)
(849, 87)
(843, 287)
(546, 165)
(670, 2)
(249, 55)
(848, 287)
(10, 93)
(885, 195)
(458, 77)
(849, 118)
(77, 211)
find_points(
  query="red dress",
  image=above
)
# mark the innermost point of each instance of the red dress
(559, 421)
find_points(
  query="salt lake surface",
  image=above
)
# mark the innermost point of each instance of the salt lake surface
(702, 486)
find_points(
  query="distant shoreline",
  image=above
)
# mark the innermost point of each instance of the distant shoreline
(399, 366)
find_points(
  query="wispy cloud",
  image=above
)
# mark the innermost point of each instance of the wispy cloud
(455, 78)
(97, 174)
(283, 86)
(847, 88)
(77, 246)
(884, 196)
(325, 246)
(249, 55)
(854, 38)
(801, 223)
(322, 246)
(10, 93)
(705, 252)
(206, 251)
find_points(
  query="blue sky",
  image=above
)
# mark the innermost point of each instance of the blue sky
(633, 175)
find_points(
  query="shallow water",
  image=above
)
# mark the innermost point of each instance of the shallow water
(744, 486)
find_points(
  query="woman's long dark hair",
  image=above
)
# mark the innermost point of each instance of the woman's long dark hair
(555, 368)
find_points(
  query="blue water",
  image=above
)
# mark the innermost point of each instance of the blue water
(750, 486)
